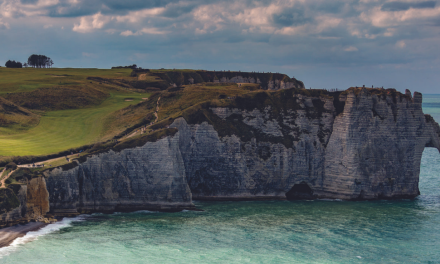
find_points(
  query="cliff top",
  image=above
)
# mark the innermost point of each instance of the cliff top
(84, 111)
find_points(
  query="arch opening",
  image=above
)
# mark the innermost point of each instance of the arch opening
(300, 191)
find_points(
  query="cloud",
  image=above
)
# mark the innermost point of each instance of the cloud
(4, 25)
(403, 6)
(175, 10)
(88, 24)
(411, 17)
(290, 17)
(138, 16)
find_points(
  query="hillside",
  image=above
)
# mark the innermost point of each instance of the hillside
(62, 109)
(16, 117)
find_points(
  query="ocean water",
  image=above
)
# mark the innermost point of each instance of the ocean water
(406, 231)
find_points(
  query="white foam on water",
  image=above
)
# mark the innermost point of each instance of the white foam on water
(331, 200)
(33, 235)
(196, 211)
(145, 212)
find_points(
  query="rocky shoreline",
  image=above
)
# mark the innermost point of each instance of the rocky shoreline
(9, 234)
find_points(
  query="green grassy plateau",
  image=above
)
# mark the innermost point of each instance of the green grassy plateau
(48, 112)
(62, 129)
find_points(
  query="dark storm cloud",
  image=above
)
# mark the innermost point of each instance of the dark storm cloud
(402, 6)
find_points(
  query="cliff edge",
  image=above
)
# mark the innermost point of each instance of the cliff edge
(360, 144)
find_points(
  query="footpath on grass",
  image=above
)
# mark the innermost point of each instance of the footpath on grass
(144, 129)
(5, 177)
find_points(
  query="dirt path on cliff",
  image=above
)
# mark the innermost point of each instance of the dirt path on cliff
(139, 130)
(52, 162)
(157, 110)
(5, 178)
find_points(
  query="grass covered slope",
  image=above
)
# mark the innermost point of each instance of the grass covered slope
(16, 117)
(77, 107)
(64, 129)
(28, 79)
(44, 115)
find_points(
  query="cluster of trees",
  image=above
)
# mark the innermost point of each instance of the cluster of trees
(39, 61)
(134, 66)
(13, 64)
(35, 61)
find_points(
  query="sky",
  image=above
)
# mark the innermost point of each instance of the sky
(325, 44)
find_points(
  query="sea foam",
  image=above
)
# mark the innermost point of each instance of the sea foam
(34, 235)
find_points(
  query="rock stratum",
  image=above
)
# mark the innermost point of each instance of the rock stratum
(360, 144)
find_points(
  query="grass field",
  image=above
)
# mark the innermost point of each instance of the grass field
(28, 79)
(74, 110)
(63, 129)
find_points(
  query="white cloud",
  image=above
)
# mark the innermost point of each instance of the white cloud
(210, 18)
(14, 8)
(138, 16)
(379, 18)
(89, 23)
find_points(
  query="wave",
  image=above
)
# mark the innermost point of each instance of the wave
(34, 235)
(145, 212)
(331, 200)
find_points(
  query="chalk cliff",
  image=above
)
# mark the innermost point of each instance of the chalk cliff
(148, 177)
(358, 144)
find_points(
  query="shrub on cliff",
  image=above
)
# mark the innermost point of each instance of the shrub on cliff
(11, 165)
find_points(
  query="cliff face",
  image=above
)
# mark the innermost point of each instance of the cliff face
(267, 81)
(376, 147)
(285, 150)
(149, 177)
(359, 144)
(13, 205)
(270, 85)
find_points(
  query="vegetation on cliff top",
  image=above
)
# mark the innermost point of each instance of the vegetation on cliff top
(85, 111)
(49, 113)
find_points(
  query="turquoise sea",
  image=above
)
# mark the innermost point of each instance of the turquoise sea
(405, 231)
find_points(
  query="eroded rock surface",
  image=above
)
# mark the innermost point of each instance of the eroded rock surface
(149, 177)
